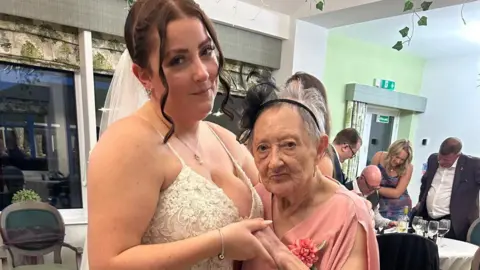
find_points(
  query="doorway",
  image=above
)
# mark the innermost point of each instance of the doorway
(379, 131)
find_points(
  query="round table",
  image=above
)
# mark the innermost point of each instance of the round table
(455, 255)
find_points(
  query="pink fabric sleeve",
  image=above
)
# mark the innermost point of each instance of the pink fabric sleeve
(356, 214)
(343, 240)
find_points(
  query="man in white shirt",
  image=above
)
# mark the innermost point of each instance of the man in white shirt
(450, 188)
(366, 185)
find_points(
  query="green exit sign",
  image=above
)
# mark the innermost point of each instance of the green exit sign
(384, 119)
(385, 84)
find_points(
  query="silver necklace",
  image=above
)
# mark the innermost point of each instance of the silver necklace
(195, 155)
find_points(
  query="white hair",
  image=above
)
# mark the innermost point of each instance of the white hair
(313, 100)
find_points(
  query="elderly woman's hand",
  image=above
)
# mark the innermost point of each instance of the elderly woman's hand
(284, 259)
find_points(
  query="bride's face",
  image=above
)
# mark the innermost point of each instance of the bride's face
(191, 70)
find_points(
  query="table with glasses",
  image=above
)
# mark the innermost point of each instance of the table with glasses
(453, 254)
(456, 255)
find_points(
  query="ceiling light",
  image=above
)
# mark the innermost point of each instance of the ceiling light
(471, 31)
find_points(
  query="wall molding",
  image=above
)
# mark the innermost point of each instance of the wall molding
(381, 97)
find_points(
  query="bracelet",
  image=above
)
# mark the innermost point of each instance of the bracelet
(221, 255)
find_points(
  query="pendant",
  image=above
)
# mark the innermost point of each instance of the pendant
(198, 159)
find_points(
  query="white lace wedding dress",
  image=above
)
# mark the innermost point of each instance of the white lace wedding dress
(193, 205)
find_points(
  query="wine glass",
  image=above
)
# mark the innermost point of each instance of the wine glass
(432, 229)
(423, 227)
(417, 225)
(443, 228)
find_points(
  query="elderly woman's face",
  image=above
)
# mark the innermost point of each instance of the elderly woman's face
(285, 154)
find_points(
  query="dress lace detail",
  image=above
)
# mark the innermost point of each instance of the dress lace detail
(193, 205)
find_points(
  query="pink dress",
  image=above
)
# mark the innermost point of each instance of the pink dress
(335, 221)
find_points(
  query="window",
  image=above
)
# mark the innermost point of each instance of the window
(38, 135)
(102, 83)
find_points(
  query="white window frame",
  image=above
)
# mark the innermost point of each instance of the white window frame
(371, 109)
(86, 123)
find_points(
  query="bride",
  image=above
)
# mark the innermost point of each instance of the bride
(166, 189)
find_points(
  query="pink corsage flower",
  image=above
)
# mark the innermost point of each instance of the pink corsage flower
(306, 251)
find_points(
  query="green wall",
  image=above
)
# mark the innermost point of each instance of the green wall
(352, 61)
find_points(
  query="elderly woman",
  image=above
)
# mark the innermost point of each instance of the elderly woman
(396, 168)
(287, 139)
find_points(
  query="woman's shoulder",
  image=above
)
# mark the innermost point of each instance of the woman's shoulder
(129, 135)
(224, 134)
(228, 139)
(378, 157)
(129, 128)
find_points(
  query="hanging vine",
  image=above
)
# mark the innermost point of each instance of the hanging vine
(405, 32)
(320, 4)
(409, 6)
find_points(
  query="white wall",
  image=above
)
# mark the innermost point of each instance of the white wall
(305, 50)
(453, 109)
(247, 16)
(75, 236)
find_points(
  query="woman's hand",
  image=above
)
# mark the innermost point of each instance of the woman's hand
(284, 259)
(240, 244)
(392, 224)
(271, 243)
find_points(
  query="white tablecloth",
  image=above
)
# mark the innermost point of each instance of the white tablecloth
(456, 255)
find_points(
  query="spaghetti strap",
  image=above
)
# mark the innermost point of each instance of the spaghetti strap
(161, 135)
(176, 154)
(223, 145)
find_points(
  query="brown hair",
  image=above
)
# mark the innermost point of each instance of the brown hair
(449, 146)
(310, 81)
(348, 136)
(146, 15)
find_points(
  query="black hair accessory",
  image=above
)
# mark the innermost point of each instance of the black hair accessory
(258, 98)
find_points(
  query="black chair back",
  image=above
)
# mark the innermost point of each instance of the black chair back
(399, 251)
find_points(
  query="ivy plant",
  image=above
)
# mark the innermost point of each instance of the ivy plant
(320, 5)
(405, 32)
(409, 6)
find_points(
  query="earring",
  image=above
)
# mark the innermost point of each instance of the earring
(315, 172)
(149, 92)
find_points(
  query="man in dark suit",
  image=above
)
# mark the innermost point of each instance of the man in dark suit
(450, 188)
(345, 146)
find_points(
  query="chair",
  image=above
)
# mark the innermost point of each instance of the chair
(84, 265)
(31, 230)
(400, 251)
(476, 260)
(473, 235)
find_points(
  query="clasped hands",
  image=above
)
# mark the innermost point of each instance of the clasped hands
(280, 256)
